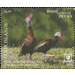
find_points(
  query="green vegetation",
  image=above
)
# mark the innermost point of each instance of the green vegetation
(43, 24)
(13, 61)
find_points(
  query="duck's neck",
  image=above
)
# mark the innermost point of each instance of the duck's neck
(56, 38)
(30, 31)
(28, 24)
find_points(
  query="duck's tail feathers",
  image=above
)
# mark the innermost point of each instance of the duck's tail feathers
(20, 53)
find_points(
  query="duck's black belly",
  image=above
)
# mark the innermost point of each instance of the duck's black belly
(27, 49)
(44, 49)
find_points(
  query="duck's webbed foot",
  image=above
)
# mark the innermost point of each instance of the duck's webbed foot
(48, 55)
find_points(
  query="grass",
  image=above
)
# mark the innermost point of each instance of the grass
(10, 59)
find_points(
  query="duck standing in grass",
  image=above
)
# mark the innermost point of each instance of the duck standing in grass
(30, 42)
(47, 44)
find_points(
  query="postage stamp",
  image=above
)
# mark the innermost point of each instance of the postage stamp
(37, 38)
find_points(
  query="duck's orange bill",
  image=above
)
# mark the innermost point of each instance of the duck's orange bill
(62, 37)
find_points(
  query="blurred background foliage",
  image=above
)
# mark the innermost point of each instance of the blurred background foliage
(44, 25)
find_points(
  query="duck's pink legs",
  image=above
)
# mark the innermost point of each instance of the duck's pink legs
(30, 56)
(24, 58)
(48, 55)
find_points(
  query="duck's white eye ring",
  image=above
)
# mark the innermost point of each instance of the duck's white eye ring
(58, 33)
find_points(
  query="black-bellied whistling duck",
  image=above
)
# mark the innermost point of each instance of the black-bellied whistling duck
(47, 44)
(30, 42)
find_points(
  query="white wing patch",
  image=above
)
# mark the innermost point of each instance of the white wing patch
(40, 45)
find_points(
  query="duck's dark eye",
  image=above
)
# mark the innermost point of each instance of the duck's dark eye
(58, 33)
